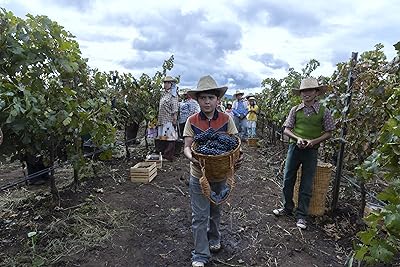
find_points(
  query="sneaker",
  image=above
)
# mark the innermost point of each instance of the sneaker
(301, 223)
(281, 211)
(197, 264)
(215, 248)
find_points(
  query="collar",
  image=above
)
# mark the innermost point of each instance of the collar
(314, 106)
(204, 117)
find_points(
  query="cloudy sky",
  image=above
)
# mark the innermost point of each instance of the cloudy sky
(238, 42)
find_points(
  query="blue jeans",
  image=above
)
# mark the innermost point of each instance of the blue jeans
(308, 159)
(241, 126)
(205, 220)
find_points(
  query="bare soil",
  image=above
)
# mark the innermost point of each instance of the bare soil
(111, 221)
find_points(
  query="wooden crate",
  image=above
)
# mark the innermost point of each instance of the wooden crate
(143, 172)
(155, 158)
(253, 142)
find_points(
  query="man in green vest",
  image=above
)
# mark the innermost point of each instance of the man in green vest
(307, 125)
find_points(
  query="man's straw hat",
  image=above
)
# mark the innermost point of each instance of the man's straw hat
(238, 92)
(170, 79)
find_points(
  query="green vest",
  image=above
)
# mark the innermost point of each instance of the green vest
(309, 127)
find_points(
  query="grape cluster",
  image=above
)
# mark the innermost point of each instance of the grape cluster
(211, 142)
(204, 136)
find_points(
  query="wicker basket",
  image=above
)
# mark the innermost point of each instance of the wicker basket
(320, 188)
(217, 168)
(206, 189)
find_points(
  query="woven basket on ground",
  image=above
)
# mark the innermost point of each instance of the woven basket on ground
(217, 168)
(319, 191)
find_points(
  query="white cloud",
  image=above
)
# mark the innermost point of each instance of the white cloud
(238, 42)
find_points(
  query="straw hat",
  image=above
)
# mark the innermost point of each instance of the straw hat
(238, 92)
(249, 95)
(310, 83)
(251, 98)
(207, 83)
(170, 79)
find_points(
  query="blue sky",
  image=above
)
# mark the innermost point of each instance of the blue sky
(239, 43)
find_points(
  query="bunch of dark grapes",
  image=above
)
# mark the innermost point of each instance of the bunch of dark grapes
(202, 138)
(214, 143)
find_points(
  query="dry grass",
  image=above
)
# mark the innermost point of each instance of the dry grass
(71, 232)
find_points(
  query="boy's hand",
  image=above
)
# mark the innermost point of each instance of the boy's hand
(195, 161)
(310, 143)
(302, 143)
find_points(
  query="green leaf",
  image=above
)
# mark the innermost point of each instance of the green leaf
(367, 236)
(106, 155)
(381, 252)
(361, 252)
(389, 195)
(392, 222)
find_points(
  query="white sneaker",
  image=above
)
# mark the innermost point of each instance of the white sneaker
(301, 223)
(197, 264)
(281, 211)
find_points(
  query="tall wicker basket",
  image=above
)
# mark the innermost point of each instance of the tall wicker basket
(319, 191)
(217, 168)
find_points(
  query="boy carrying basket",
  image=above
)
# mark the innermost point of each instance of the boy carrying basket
(205, 215)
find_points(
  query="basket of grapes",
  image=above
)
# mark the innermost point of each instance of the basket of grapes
(216, 153)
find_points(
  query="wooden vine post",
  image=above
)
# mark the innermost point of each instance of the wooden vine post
(339, 165)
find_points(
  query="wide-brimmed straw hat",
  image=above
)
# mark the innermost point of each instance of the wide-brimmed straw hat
(249, 95)
(251, 98)
(310, 83)
(238, 92)
(207, 83)
(170, 79)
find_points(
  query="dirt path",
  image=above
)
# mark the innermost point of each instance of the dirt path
(129, 224)
(251, 236)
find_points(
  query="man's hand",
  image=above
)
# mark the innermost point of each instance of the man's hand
(239, 161)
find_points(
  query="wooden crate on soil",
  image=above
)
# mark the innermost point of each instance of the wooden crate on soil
(143, 172)
(253, 142)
